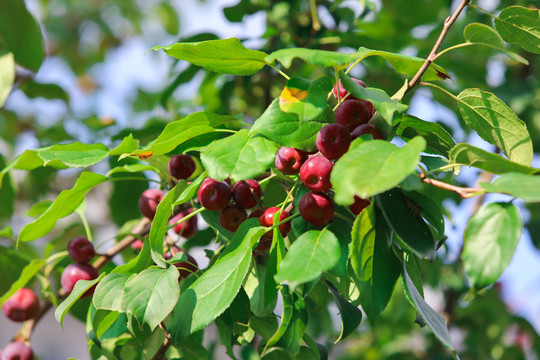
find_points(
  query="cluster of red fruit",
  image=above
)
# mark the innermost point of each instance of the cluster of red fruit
(81, 250)
(333, 140)
(246, 194)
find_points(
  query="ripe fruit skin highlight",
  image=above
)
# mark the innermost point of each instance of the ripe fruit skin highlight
(315, 173)
(17, 351)
(367, 129)
(149, 201)
(358, 205)
(354, 112)
(267, 219)
(243, 195)
(75, 272)
(289, 160)
(21, 306)
(181, 166)
(214, 195)
(316, 208)
(188, 228)
(333, 140)
(231, 217)
(81, 249)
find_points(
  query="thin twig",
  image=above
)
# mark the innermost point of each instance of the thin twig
(433, 54)
(464, 192)
(160, 355)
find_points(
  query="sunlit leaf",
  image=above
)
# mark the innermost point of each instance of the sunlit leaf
(526, 187)
(490, 239)
(520, 25)
(7, 75)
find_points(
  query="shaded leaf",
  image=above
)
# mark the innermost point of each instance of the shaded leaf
(520, 25)
(435, 322)
(490, 239)
(373, 261)
(405, 220)
(496, 123)
(308, 257)
(438, 140)
(21, 34)
(351, 316)
(27, 273)
(238, 157)
(465, 154)
(288, 130)
(376, 166)
(227, 56)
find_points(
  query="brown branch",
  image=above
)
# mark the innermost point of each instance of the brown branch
(433, 54)
(160, 355)
(464, 192)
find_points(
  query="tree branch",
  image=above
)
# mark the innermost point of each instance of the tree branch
(464, 192)
(160, 355)
(433, 54)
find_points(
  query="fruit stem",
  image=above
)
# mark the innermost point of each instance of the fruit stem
(187, 217)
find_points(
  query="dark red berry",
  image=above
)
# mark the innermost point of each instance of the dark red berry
(188, 228)
(81, 249)
(245, 193)
(367, 129)
(333, 141)
(354, 112)
(231, 217)
(267, 219)
(358, 205)
(214, 195)
(181, 166)
(17, 351)
(316, 208)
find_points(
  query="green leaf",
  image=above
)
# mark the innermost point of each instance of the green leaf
(161, 221)
(465, 154)
(375, 166)
(151, 295)
(293, 323)
(305, 98)
(65, 204)
(34, 89)
(490, 239)
(526, 187)
(404, 218)
(28, 272)
(373, 261)
(21, 34)
(7, 75)
(438, 140)
(226, 56)
(384, 105)
(435, 322)
(312, 56)
(496, 123)
(238, 157)
(180, 131)
(404, 64)
(79, 289)
(351, 316)
(109, 292)
(74, 155)
(12, 264)
(429, 210)
(213, 291)
(288, 130)
(127, 145)
(191, 190)
(308, 257)
(275, 257)
(519, 25)
(482, 34)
